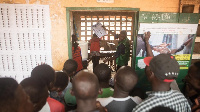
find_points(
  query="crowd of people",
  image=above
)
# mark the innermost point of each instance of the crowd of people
(76, 90)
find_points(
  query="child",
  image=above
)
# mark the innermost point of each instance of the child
(58, 90)
(56, 99)
(103, 73)
(70, 68)
(37, 92)
(125, 80)
(13, 98)
(85, 87)
(95, 50)
(45, 74)
(76, 53)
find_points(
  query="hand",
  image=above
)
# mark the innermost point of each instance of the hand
(147, 36)
(165, 50)
(164, 44)
(104, 28)
(162, 50)
(100, 107)
(197, 105)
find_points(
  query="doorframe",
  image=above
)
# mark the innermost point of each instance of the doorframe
(135, 28)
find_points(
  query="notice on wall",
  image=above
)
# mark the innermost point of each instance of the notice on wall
(25, 39)
(175, 39)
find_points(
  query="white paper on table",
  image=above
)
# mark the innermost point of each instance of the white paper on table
(99, 30)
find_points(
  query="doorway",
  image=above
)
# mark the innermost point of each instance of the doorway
(80, 21)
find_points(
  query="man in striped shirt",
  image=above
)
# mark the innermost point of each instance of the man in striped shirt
(161, 70)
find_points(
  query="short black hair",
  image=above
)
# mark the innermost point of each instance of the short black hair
(61, 80)
(35, 90)
(85, 85)
(8, 87)
(103, 72)
(161, 109)
(45, 73)
(70, 66)
(123, 32)
(126, 78)
(94, 35)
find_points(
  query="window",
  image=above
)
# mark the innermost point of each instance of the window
(114, 21)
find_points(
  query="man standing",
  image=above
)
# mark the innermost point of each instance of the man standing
(95, 50)
(123, 49)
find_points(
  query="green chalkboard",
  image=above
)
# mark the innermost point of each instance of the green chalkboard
(158, 17)
(190, 18)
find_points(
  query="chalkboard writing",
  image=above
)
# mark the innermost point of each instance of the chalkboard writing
(148, 17)
(158, 17)
(166, 17)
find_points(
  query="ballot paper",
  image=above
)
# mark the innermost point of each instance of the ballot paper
(99, 30)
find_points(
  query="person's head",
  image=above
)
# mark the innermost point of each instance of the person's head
(44, 73)
(74, 38)
(13, 98)
(37, 92)
(94, 36)
(85, 86)
(103, 73)
(122, 35)
(161, 109)
(125, 79)
(148, 33)
(163, 67)
(192, 79)
(70, 67)
(61, 82)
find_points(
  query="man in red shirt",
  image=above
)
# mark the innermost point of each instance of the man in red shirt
(95, 50)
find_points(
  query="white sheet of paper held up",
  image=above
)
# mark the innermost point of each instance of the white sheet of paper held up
(99, 30)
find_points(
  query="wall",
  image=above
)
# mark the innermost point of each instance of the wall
(58, 18)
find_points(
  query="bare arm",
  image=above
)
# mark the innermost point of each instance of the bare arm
(182, 46)
(109, 32)
(148, 47)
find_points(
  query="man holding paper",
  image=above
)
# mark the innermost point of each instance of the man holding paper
(123, 49)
